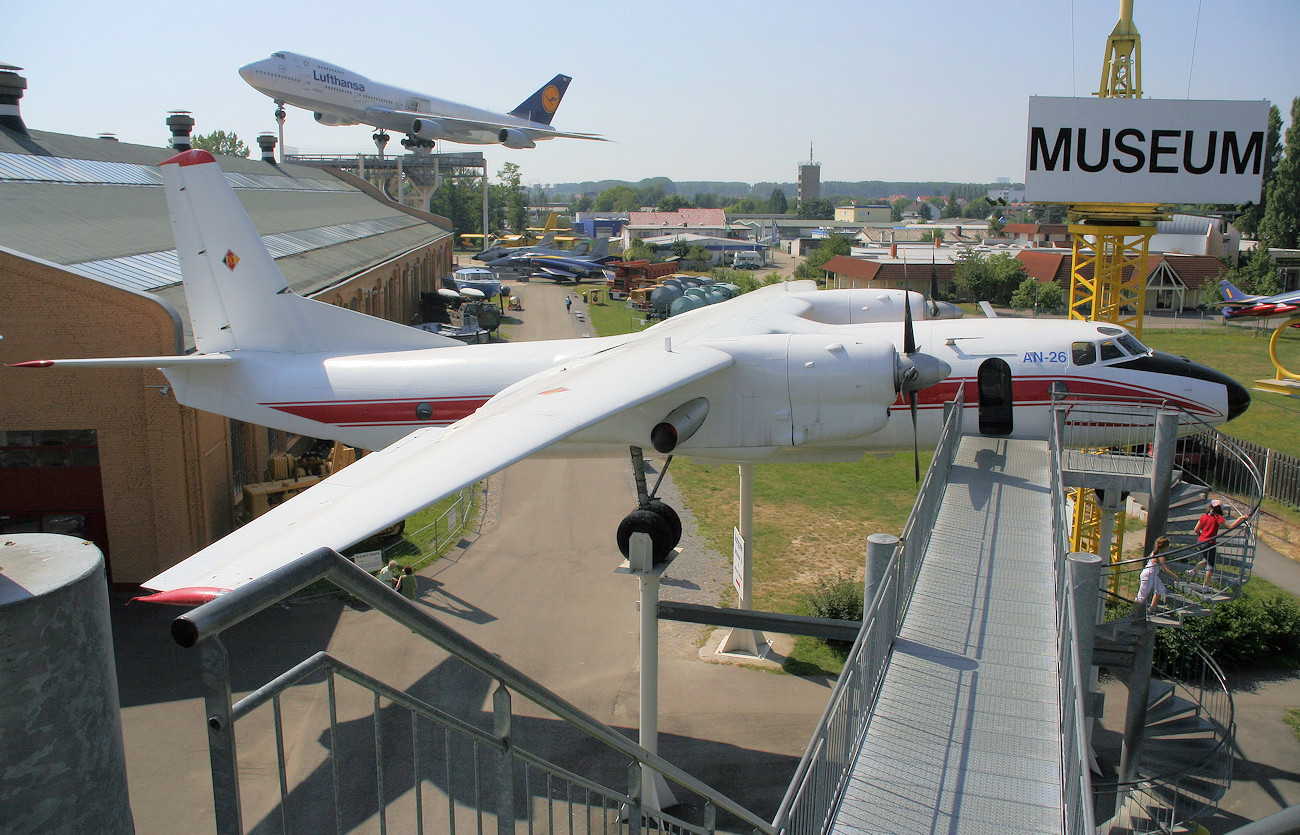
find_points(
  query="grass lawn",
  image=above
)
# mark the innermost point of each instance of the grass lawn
(1243, 355)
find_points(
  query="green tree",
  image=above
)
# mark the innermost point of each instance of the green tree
(582, 203)
(618, 199)
(835, 244)
(513, 197)
(639, 250)
(221, 143)
(929, 236)
(460, 201)
(817, 209)
(951, 208)
(897, 207)
(743, 206)
(777, 204)
(1038, 296)
(672, 202)
(992, 278)
(699, 252)
(680, 247)
(1280, 225)
(1248, 221)
(1256, 273)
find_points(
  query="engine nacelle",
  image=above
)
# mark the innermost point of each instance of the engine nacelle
(680, 424)
(334, 121)
(516, 140)
(427, 129)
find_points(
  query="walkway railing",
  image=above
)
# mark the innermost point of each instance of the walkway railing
(499, 778)
(1076, 779)
(820, 777)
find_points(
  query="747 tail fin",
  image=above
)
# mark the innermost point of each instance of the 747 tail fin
(541, 106)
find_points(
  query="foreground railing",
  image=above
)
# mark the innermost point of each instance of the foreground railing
(493, 775)
(819, 779)
(1076, 780)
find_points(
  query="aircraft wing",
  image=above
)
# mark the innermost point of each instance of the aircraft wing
(432, 463)
(454, 125)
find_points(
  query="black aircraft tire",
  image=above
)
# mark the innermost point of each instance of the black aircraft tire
(648, 522)
(670, 516)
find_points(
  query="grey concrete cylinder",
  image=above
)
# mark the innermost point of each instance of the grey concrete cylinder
(62, 764)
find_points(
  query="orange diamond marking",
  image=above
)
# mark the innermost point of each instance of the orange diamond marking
(231, 260)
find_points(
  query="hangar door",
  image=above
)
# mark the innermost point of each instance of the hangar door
(50, 483)
(996, 401)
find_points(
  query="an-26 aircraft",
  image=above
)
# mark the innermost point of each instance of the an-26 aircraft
(339, 97)
(784, 373)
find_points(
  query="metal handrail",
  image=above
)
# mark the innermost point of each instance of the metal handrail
(1224, 722)
(203, 626)
(822, 771)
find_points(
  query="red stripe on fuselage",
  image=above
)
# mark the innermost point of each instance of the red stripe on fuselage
(1036, 391)
(445, 410)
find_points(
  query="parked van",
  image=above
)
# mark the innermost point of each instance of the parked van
(749, 260)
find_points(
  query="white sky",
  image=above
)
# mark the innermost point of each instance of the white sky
(687, 90)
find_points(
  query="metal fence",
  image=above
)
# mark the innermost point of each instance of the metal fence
(819, 779)
(482, 781)
(444, 529)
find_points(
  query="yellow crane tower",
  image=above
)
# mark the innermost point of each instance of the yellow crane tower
(1110, 240)
(1109, 267)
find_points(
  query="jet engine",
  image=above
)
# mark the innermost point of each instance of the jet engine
(680, 424)
(428, 129)
(333, 121)
(514, 139)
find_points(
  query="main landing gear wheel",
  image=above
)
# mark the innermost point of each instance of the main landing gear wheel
(652, 516)
(647, 522)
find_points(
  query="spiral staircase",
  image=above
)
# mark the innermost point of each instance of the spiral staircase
(1174, 763)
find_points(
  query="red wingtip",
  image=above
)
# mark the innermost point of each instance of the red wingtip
(32, 364)
(194, 156)
(192, 596)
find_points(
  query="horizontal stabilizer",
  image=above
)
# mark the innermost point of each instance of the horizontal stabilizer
(131, 362)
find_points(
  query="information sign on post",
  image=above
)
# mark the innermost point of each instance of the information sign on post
(738, 562)
(1103, 150)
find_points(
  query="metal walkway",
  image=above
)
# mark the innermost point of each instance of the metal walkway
(966, 736)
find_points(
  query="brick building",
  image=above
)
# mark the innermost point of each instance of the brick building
(88, 268)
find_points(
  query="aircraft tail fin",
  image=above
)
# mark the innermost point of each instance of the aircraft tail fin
(600, 250)
(237, 296)
(1232, 293)
(541, 106)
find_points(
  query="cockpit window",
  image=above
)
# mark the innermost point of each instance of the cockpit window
(1110, 351)
(279, 55)
(1084, 353)
(1130, 344)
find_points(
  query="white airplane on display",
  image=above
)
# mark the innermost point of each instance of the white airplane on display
(339, 97)
(784, 373)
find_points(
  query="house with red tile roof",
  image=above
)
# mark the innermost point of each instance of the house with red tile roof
(711, 222)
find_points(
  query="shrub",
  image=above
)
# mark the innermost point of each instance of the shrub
(840, 599)
(1259, 630)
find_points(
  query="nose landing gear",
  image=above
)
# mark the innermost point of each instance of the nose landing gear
(652, 516)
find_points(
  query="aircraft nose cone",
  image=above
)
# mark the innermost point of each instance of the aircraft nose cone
(1238, 399)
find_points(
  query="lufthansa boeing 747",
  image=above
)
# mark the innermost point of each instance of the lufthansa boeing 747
(339, 97)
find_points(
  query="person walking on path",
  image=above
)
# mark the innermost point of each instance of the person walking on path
(568, 303)
(1152, 587)
(406, 583)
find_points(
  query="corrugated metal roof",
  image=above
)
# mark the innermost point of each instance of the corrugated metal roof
(153, 270)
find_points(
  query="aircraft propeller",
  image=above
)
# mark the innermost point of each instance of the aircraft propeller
(916, 371)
